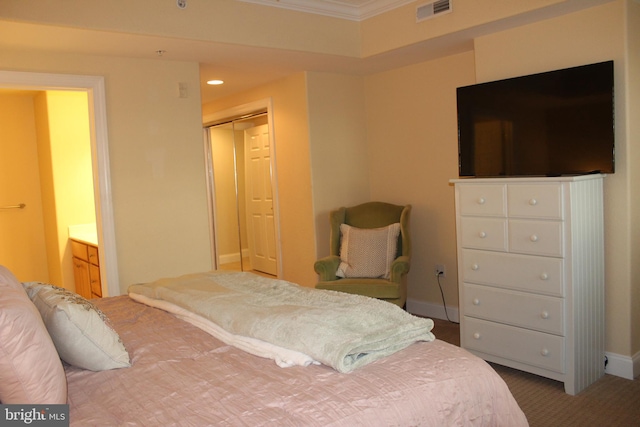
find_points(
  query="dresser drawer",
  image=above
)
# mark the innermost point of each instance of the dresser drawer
(536, 274)
(538, 312)
(484, 233)
(485, 200)
(521, 345)
(536, 237)
(535, 201)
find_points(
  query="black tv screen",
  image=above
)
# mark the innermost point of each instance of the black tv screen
(548, 124)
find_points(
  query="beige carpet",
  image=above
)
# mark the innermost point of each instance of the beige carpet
(611, 401)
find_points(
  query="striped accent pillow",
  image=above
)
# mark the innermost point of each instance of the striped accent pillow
(367, 252)
(80, 332)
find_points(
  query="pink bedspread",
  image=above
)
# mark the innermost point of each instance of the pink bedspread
(183, 376)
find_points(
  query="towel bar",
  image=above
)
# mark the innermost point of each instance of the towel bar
(19, 206)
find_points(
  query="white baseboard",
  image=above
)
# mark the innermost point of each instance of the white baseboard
(437, 311)
(234, 257)
(618, 365)
(623, 366)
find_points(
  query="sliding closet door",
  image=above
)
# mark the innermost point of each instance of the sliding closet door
(242, 195)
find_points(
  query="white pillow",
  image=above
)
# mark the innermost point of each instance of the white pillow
(79, 330)
(367, 252)
(30, 368)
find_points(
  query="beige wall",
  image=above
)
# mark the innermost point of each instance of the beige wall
(338, 147)
(64, 149)
(633, 161)
(22, 245)
(293, 171)
(413, 146)
(590, 36)
(156, 154)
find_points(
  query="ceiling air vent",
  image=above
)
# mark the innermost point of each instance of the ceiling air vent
(429, 10)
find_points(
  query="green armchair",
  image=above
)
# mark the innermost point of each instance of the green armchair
(372, 215)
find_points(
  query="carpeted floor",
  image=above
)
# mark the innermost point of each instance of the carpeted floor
(611, 401)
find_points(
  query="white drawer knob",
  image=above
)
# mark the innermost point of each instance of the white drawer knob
(481, 201)
(544, 352)
(544, 276)
(533, 202)
(475, 267)
(533, 238)
(476, 301)
(544, 314)
(476, 335)
(482, 234)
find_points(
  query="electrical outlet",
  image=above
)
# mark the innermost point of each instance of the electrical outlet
(440, 270)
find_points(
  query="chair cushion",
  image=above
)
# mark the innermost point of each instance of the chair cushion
(374, 288)
(30, 369)
(79, 330)
(366, 252)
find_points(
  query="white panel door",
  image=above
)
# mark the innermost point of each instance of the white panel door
(259, 194)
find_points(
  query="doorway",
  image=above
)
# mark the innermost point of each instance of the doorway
(46, 166)
(242, 187)
(93, 86)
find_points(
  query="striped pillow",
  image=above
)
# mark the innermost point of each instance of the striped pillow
(367, 252)
(80, 332)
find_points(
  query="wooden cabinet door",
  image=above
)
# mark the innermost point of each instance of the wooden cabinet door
(94, 276)
(82, 277)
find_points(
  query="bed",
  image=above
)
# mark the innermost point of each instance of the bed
(177, 373)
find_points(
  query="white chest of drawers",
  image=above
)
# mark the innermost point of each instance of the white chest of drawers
(531, 274)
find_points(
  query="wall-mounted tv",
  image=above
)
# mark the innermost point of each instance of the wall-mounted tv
(548, 124)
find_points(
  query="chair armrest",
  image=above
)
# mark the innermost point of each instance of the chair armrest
(399, 267)
(326, 267)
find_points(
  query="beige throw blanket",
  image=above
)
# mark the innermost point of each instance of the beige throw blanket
(339, 330)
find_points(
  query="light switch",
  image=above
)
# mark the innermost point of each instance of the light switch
(182, 90)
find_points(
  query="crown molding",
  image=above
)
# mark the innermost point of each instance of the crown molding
(353, 10)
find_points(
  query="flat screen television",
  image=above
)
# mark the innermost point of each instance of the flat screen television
(549, 124)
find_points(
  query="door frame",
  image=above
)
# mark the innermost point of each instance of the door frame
(94, 86)
(237, 113)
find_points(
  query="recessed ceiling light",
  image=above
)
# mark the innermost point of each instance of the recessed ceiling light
(215, 82)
